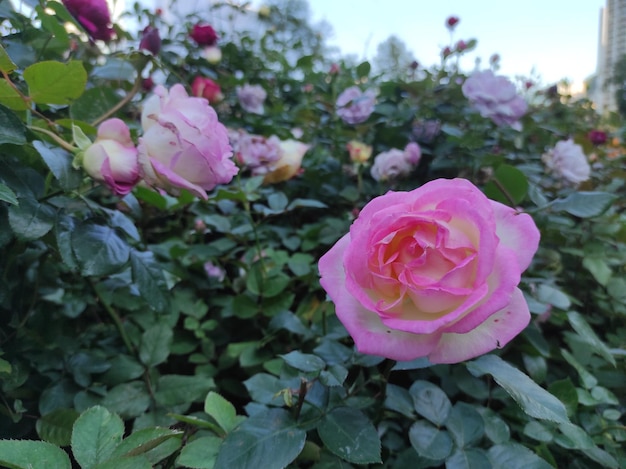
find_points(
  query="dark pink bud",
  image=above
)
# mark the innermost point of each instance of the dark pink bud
(446, 52)
(597, 137)
(414, 65)
(461, 45)
(452, 21)
(150, 40)
(147, 84)
(334, 69)
(93, 15)
(204, 35)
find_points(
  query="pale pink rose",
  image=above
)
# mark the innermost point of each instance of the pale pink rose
(183, 146)
(214, 271)
(568, 161)
(391, 164)
(355, 106)
(432, 273)
(289, 163)
(112, 158)
(251, 98)
(256, 152)
(413, 153)
(495, 97)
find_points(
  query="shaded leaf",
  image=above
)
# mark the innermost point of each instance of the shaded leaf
(95, 435)
(349, 434)
(25, 454)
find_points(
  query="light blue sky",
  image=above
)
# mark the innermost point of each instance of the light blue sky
(559, 38)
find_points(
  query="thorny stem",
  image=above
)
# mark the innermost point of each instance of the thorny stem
(301, 395)
(56, 138)
(131, 94)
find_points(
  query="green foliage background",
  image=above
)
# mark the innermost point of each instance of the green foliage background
(116, 348)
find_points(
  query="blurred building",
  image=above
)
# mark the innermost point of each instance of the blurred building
(611, 47)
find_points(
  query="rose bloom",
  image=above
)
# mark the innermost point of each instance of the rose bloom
(432, 273)
(203, 34)
(354, 106)
(183, 146)
(206, 88)
(359, 151)
(251, 98)
(413, 153)
(150, 40)
(93, 15)
(495, 97)
(394, 163)
(112, 158)
(597, 137)
(568, 161)
(257, 152)
(289, 163)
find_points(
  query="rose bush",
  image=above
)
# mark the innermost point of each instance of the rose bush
(183, 145)
(432, 273)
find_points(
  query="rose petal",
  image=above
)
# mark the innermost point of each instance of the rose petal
(518, 232)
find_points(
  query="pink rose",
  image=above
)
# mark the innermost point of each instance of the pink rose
(495, 97)
(206, 88)
(183, 146)
(289, 163)
(355, 106)
(203, 34)
(112, 158)
(432, 273)
(251, 98)
(257, 152)
(395, 163)
(93, 15)
(568, 161)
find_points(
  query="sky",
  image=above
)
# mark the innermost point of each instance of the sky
(555, 38)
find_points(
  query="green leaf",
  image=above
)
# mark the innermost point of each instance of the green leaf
(587, 379)
(469, 458)
(93, 103)
(534, 400)
(144, 440)
(63, 229)
(173, 390)
(304, 361)
(429, 441)
(12, 129)
(31, 220)
(98, 249)
(149, 278)
(7, 195)
(508, 185)
(137, 462)
(598, 268)
(573, 437)
(349, 434)
(52, 82)
(553, 296)
(155, 345)
(538, 431)
(602, 457)
(6, 64)
(222, 411)
(465, 425)
(430, 402)
(60, 163)
(515, 456)
(95, 435)
(363, 69)
(26, 454)
(583, 329)
(128, 400)
(56, 427)
(10, 98)
(270, 439)
(565, 391)
(496, 429)
(200, 453)
(585, 204)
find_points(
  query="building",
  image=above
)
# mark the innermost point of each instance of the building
(611, 47)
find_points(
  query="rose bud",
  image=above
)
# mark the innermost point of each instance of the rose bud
(451, 22)
(150, 40)
(203, 87)
(204, 35)
(93, 15)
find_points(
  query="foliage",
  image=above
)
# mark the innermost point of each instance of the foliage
(117, 348)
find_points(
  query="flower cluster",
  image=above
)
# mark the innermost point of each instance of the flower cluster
(495, 97)
(395, 163)
(355, 106)
(183, 146)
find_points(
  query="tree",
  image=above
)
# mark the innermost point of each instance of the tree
(393, 58)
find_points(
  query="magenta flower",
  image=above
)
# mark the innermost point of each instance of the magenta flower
(451, 22)
(150, 40)
(251, 98)
(432, 273)
(597, 137)
(495, 97)
(93, 15)
(112, 158)
(204, 35)
(355, 106)
(183, 146)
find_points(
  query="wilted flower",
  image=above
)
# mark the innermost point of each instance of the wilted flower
(206, 88)
(93, 15)
(251, 98)
(203, 34)
(597, 137)
(150, 40)
(354, 106)
(494, 97)
(359, 151)
(112, 158)
(183, 146)
(289, 163)
(451, 22)
(568, 161)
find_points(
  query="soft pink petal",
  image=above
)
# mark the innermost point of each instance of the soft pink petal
(518, 232)
(175, 180)
(495, 332)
